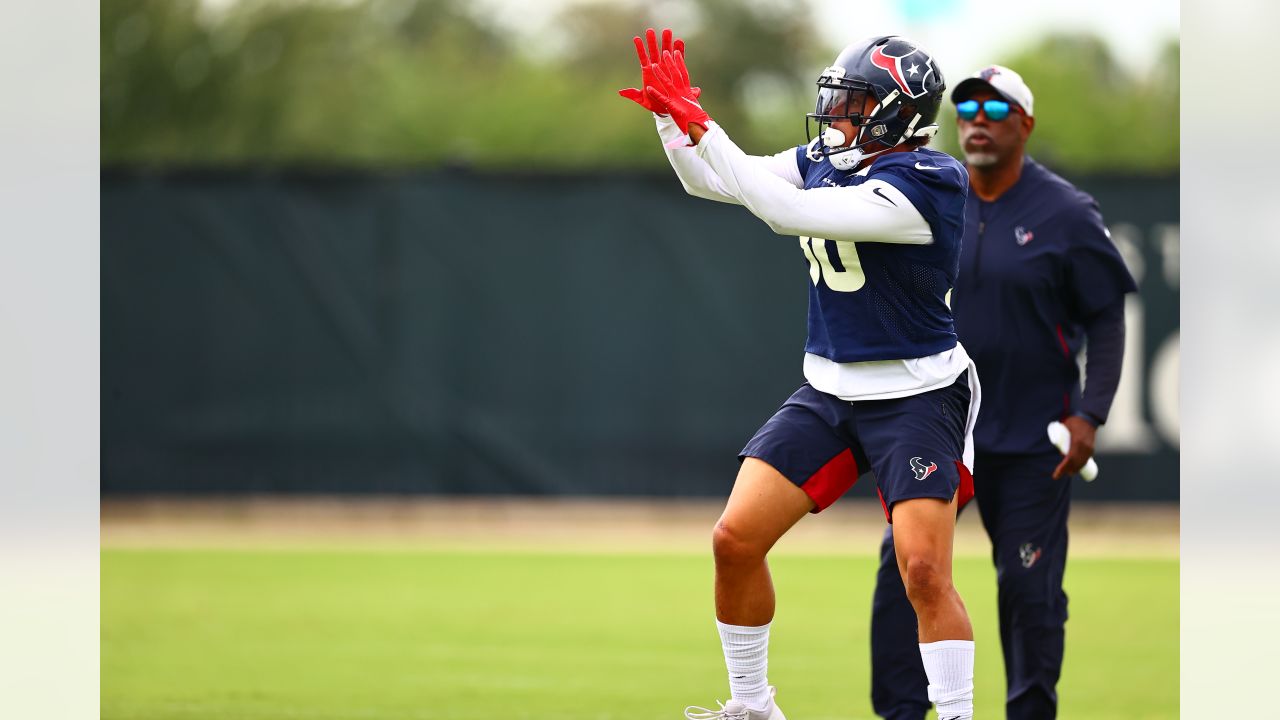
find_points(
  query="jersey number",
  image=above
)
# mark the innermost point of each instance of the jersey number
(849, 279)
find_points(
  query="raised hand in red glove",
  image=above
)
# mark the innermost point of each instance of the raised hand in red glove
(647, 61)
(671, 92)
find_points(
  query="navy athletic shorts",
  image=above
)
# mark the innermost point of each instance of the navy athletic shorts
(913, 444)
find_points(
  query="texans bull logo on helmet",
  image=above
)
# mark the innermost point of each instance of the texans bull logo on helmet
(907, 64)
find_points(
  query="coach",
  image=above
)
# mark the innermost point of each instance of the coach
(1039, 280)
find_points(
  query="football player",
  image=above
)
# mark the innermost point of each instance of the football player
(889, 389)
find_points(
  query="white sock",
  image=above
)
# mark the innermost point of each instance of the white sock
(949, 667)
(746, 656)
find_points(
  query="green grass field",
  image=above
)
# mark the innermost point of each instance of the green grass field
(373, 635)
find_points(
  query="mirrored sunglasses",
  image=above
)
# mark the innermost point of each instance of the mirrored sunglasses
(996, 110)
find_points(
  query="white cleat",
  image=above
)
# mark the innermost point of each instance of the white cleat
(737, 710)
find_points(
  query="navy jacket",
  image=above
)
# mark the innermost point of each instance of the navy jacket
(1035, 266)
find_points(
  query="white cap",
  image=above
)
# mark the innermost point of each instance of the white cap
(1005, 82)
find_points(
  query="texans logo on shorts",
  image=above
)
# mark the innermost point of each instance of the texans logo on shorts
(908, 70)
(921, 470)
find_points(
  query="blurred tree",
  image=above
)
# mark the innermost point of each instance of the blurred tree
(377, 81)
(431, 81)
(755, 63)
(159, 77)
(1093, 114)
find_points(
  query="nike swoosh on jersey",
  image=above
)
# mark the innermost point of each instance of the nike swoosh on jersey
(926, 167)
(886, 197)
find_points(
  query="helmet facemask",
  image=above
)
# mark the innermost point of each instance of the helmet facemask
(841, 98)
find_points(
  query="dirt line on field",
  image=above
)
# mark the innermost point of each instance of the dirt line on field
(564, 525)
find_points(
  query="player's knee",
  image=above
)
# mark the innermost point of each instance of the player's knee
(731, 546)
(925, 579)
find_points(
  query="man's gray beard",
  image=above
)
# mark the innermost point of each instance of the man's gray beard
(981, 159)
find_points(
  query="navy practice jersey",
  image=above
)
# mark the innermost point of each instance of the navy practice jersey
(881, 300)
(1037, 262)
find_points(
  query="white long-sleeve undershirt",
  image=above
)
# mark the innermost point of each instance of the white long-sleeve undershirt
(697, 177)
(874, 211)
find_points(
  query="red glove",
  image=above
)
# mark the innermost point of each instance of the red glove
(672, 92)
(648, 60)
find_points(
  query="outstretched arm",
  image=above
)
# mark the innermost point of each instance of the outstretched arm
(700, 180)
(874, 211)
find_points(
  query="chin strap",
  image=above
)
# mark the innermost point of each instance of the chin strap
(926, 131)
(849, 158)
(813, 151)
(911, 132)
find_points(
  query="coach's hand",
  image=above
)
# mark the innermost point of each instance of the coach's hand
(1082, 436)
(671, 91)
(648, 59)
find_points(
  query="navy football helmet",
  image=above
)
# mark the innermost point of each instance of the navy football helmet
(907, 86)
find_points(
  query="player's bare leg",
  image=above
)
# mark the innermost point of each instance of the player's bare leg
(762, 507)
(924, 534)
